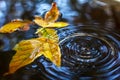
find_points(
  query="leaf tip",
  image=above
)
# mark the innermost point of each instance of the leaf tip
(54, 4)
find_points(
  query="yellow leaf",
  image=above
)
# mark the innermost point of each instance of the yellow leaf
(39, 21)
(53, 14)
(15, 25)
(28, 50)
(48, 33)
(50, 17)
(51, 50)
(58, 24)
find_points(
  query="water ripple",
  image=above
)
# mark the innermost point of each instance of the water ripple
(87, 53)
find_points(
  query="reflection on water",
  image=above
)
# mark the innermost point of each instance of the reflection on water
(90, 46)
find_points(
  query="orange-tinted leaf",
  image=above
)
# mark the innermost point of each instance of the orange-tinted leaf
(50, 17)
(53, 14)
(28, 50)
(15, 25)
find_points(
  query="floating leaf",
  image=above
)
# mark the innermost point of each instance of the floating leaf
(15, 25)
(50, 17)
(28, 50)
(51, 50)
(58, 24)
(47, 43)
(39, 21)
(48, 33)
(25, 50)
(53, 14)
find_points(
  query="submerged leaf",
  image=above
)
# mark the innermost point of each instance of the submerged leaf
(28, 50)
(15, 25)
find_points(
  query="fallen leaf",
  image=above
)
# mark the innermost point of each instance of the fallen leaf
(48, 33)
(47, 43)
(24, 52)
(50, 17)
(58, 24)
(53, 14)
(51, 50)
(39, 21)
(28, 50)
(15, 25)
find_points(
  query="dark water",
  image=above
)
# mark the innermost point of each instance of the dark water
(90, 45)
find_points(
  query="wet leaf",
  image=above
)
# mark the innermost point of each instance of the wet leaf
(47, 43)
(53, 14)
(15, 25)
(58, 24)
(50, 17)
(24, 54)
(51, 50)
(39, 21)
(28, 50)
(48, 33)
